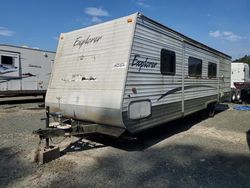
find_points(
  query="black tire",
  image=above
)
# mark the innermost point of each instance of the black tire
(211, 110)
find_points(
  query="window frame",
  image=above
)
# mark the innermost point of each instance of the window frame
(172, 54)
(212, 76)
(189, 61)
(13, 61)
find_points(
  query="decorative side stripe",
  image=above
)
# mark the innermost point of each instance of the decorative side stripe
(185, 88)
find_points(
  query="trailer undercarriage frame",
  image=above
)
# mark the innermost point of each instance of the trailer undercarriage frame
(75, 128)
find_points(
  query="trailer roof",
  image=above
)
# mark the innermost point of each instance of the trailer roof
(192, 41)
(9, 45)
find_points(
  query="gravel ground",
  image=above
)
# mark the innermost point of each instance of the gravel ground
(186, 153)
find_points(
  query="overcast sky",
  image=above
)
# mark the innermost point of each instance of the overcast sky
(220, 24)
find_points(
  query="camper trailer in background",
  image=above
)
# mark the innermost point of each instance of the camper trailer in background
(24, 71)
(131, 74)
(240, 82)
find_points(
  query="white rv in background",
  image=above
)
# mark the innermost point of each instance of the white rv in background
(24, 71)
(240, 82)
(134, 73)
(240, 73)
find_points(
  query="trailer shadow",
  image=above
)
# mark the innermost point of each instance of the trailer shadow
(141, 141)
(153, 136)
(13, 166)
(174, 165)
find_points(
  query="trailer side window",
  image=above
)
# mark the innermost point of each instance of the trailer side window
(167, 62)
(212, 70)
(194, 67)
(7, 60)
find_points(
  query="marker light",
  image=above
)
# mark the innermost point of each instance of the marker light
(129, 20)
(134, 90)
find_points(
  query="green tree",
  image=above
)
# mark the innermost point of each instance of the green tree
(245, 59)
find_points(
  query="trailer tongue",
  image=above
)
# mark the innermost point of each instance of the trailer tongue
(82, 128)
(69, 127)
(66, 128)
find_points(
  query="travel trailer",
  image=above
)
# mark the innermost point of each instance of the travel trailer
(24, 71)
(240, 82)
(130, 74)
(240, 73)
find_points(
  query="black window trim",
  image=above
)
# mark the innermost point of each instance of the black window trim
(169, 52)
(211, 76)
(196, 75)
(8, 64)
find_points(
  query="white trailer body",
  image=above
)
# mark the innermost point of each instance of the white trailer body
(24, 71)
(133, 73)
(240, 73)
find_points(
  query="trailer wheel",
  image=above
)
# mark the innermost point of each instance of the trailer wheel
(211, 110)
